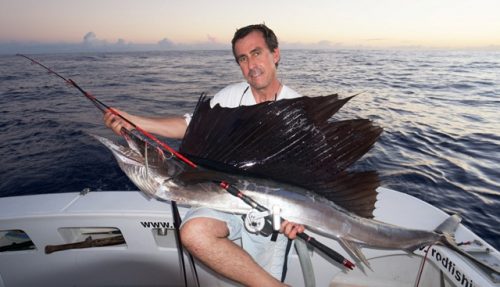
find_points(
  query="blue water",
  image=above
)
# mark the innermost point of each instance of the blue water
(440, 111)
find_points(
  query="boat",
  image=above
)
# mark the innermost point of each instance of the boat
(131, 241)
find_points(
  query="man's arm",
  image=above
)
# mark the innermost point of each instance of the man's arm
(171, 127)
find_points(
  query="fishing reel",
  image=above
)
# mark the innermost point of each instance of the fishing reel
(263, 221)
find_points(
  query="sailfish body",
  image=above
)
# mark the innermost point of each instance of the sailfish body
(288, 153)
(297, 204)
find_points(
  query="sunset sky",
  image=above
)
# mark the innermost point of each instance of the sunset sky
(205, 24)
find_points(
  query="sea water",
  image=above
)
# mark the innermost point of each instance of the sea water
(440, 111)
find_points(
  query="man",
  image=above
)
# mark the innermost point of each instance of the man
(209, 234)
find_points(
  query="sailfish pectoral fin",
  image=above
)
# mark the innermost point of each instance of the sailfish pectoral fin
(353, 249)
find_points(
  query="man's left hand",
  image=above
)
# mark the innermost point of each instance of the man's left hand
(290, 229)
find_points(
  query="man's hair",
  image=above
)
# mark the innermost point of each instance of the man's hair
(268, 34)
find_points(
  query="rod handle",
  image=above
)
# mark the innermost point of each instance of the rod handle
(326, 250)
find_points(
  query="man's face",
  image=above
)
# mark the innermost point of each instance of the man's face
(257, 62)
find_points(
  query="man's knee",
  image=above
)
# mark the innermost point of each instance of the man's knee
(199, 231)
(191, 232)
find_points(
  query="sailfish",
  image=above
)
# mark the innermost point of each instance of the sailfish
(290, 153)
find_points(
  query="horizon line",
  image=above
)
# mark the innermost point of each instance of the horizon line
(82, 47)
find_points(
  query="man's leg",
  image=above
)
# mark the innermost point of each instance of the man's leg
(207, 239)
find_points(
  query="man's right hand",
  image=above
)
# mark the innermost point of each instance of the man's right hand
(115, 122)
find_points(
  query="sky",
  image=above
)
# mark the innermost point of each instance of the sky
(48, 25)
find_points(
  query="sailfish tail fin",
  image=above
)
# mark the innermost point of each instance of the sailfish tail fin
(447, 230)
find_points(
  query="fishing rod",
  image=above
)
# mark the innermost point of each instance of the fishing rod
(104, 108)
(226, 186)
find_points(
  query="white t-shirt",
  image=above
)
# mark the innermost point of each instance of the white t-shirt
(240, 94)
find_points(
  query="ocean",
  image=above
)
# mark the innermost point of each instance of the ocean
(440, 111)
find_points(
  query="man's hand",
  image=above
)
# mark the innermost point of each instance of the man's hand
(114, 122)
(291, 229)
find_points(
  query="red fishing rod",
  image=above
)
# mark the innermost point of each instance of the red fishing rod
(103, 107)
(231, 189)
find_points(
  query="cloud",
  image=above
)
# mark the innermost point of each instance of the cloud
(210, 44)
(90, 39)
(92, 43)
(121, 42)
(166, 43)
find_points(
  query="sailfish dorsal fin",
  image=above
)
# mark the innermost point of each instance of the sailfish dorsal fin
(291, 141)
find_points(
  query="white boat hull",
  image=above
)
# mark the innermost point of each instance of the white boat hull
(150, 258)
